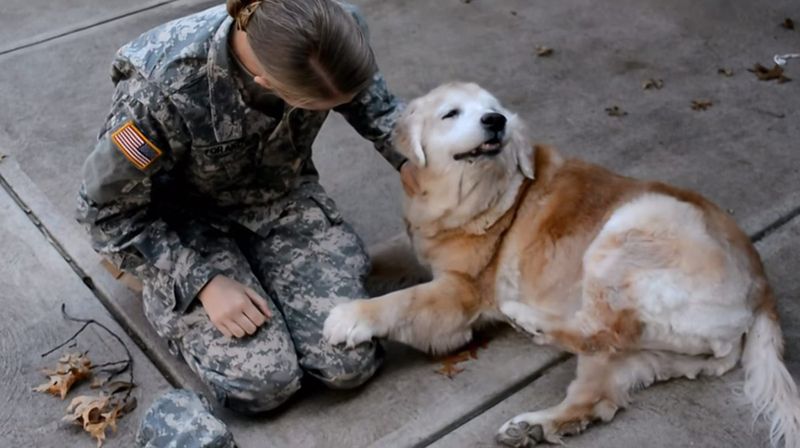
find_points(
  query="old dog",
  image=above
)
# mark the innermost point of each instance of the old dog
(641, 280)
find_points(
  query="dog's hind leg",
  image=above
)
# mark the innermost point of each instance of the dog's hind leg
(602, 386)
(435, 317)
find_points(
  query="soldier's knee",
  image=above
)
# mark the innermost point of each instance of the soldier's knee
(255, 395)
(350, 369)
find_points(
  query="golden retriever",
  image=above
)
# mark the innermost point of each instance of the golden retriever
(642, 281)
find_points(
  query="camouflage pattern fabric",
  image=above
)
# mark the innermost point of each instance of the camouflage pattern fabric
(177, 86)
(182, 419)
(309, 261)
(187, 181)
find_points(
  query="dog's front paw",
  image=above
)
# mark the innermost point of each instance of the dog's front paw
(347, 325)
(521, 316)
(528, 430)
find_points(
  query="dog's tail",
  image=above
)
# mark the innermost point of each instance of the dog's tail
(768, 384)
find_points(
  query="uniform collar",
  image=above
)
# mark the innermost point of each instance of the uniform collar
(227, 106)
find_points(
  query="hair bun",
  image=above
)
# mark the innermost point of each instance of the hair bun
(241, 11)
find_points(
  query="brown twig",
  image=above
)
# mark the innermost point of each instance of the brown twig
(127, 364)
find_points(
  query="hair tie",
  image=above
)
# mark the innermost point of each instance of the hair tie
(243, 18)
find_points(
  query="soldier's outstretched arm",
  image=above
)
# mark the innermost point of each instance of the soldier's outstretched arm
(373, 114)
(374, 111)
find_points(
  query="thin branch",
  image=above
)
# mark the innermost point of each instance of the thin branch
(128, 364)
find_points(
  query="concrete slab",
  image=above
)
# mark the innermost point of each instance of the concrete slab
(407, 403)
(739, 152)
(27, 22)
(34, 281)
(702, 413)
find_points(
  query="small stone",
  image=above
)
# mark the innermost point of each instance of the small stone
(701, 104)
(653, 83)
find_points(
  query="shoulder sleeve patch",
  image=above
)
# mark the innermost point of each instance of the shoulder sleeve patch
(140, 151)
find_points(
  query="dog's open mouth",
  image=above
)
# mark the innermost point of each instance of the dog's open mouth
(489, 148)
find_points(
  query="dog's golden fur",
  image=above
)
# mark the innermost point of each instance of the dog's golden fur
(642, 280)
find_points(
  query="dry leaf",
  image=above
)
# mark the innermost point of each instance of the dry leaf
(116, 387)
(71, 368)
(725, 71)
(768, 74)
(543, 51)
(701, 104)
(97, 413)
(615, 111)
(653, 84)
(788, 23)
(450, 368)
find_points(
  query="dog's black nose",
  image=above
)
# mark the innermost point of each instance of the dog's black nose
(493, 122)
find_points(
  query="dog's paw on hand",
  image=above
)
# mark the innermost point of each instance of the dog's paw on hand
(345, 325)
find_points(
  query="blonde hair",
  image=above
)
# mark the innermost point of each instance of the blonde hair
(314, 48)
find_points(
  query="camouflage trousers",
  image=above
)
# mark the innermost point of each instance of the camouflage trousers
(307, 262)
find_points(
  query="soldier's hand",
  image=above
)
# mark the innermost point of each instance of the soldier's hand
(234, 309)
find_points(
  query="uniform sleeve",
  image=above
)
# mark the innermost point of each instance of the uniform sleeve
(137, 144)
(373, 112)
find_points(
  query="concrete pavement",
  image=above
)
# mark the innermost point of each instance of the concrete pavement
(742, 152)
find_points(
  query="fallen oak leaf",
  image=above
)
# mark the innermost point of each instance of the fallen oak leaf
(449, 370)
(653, 83)
(96, 414)
(449, 367)
(615, 111)
(725, 71)
(701, 104)
(543, 51)
(115, 387)
(768, 74)
(71, 368)
(788, 23)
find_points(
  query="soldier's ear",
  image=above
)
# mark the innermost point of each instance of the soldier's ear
(407, 136)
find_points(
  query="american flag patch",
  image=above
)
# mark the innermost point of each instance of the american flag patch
(135, 146)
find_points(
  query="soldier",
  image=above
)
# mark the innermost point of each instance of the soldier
(202, 185)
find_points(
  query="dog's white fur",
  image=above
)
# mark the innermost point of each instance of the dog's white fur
(645, 282)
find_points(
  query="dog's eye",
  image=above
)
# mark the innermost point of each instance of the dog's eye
(452, 114)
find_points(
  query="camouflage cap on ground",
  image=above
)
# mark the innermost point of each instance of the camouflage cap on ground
(181, 418)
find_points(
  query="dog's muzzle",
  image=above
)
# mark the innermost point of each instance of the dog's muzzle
(495, 126)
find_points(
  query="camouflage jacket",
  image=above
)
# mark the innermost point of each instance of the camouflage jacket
(180, 140)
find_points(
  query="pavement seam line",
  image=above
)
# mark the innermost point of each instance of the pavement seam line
(493, 401)
(80, 28)
(86, 280)
(775, 225)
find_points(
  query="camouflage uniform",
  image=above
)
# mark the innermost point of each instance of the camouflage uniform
(223, 188)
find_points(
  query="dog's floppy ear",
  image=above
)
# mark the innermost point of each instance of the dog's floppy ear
(523, 151)
(407, 137)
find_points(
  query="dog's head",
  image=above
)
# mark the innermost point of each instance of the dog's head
(461, 126)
